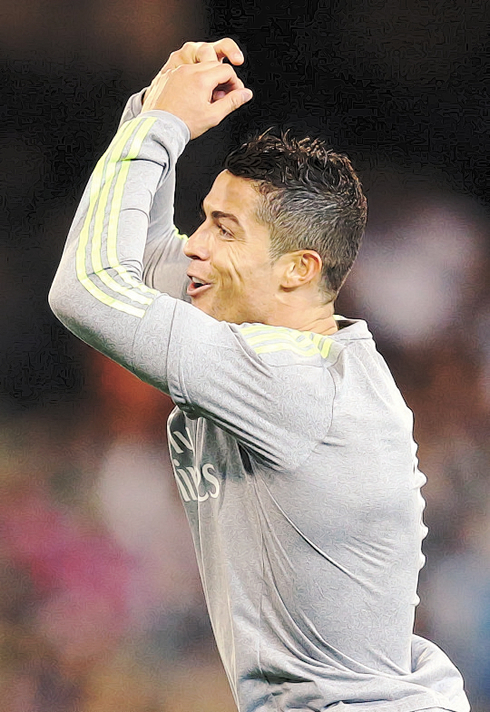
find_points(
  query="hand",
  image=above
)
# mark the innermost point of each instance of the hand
(199, 93)
(195, 53)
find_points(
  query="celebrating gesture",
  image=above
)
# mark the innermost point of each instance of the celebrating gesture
(291, 445)
(197, 87)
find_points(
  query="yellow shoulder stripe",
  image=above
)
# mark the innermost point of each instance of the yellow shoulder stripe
(269, 339)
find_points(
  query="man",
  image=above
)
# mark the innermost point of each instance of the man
(292, 447)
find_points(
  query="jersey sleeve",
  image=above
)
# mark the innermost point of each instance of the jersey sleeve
(210, 368)
(164, 263)
(133, 108)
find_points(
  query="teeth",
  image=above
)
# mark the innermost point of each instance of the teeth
(197, 283)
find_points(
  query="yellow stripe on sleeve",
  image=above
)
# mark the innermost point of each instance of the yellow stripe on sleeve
(115, 212)
(102, 180)
(96, 252)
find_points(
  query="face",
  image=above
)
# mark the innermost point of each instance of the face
(232, 275)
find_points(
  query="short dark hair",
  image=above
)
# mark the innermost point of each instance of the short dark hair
(312, 199)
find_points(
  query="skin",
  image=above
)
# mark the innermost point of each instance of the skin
(196, 86)
(230, 251)
(231, 255)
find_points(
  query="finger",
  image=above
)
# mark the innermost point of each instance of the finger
(196, 52)
(236, 83)
(188, 54)
(232, 101)
(218, 94)
(205, 52)
(223, 89)
(228, 48)
(220, 76)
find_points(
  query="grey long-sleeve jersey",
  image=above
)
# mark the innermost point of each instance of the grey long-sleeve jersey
(292, 451)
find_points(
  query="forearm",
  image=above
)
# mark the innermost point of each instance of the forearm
(164, 265)
(98, 291)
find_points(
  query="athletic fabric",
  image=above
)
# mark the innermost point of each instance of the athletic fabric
(292, 452)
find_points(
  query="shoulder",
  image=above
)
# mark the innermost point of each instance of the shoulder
(281, 346)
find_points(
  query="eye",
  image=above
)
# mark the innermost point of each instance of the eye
(224, 232)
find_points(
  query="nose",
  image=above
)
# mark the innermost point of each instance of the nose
(197, 246)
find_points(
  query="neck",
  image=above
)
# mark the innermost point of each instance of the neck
(318, 318)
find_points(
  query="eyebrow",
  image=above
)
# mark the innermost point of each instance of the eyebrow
(219, 215)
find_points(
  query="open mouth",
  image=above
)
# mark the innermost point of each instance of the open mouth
(197, 287)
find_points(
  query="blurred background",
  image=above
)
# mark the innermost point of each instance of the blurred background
(101, 608)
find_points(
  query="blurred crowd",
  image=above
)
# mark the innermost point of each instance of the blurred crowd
(423, 283)
(101, 607)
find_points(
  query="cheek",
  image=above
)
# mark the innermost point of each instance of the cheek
(241, 270)
(233, 267)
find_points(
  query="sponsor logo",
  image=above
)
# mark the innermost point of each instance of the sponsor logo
(195, 482)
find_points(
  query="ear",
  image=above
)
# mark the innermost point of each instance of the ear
(302, 268)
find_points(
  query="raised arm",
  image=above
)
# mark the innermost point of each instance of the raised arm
(164, 264)
(99, 292)
(210, 368)
(189, 53)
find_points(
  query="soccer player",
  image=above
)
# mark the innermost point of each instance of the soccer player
(291, 445)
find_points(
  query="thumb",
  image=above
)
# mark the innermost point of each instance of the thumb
(232, 101)
(246, 95)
